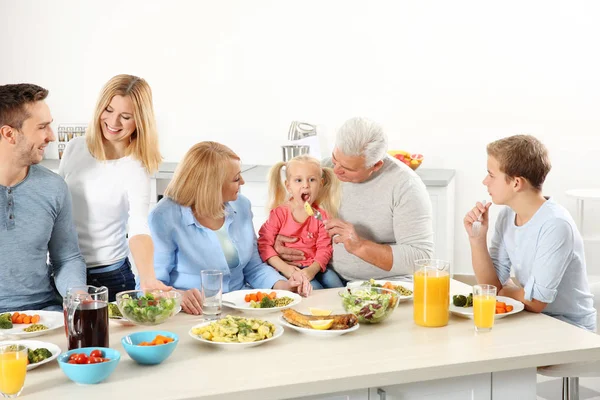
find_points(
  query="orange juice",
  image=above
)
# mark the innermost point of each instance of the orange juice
(484, 310)
(431, 297)
(13, 368)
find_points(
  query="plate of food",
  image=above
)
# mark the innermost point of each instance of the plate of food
(38, 353)
(404, 289)
(462, 306)
(257, 301)
(321, 325)
(30, 323)
(234, 333)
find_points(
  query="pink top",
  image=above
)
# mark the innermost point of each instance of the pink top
(313, 239)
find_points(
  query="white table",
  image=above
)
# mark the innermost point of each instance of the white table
(395, 358)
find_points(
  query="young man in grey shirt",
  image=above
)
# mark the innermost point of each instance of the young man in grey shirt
(385, 216)
(35, 208)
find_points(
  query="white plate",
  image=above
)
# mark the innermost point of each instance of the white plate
(407, 285)
(316, 332)
(52, 319)
(234, 346)
(468, 312)
(36, 344)
(236, 300)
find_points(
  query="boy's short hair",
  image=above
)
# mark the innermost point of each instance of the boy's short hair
(522, 156)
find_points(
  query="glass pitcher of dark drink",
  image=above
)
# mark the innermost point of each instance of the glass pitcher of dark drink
(86, 316)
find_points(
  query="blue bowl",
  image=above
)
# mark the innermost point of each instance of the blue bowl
(149, 355)
(89, 373)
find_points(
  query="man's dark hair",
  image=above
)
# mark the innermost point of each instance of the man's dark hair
(14, 98)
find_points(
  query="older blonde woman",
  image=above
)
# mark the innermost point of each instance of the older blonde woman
(204, 223)
(108, 174)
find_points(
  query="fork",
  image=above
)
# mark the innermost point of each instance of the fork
(317, 214)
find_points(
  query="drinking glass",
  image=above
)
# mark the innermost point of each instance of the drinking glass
(13, 369)
(431, 293)
(484, 307)
(212, 292)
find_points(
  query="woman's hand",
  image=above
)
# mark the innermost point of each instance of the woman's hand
(473, 215)
(153, 284)
(192, 301)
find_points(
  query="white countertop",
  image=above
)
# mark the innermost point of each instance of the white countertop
(392, 352)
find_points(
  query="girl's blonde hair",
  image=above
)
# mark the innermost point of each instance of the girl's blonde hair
(143, 144)
(329, 193)
(199, 178)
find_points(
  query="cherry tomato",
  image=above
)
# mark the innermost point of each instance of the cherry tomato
(81, 359)
(73, 356)
(96, 353)
(94, 360)
(72, 362)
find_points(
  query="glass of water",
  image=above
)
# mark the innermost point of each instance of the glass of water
(212, 292)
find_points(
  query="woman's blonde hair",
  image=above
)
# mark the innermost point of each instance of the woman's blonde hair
(143, 144)
(329, 193)
(199, 178)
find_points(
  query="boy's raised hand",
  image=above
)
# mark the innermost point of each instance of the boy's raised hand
(479, 211)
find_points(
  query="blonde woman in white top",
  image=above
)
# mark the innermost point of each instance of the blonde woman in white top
(108, 174)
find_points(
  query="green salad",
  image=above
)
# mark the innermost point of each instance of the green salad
(147, 309)
(368, 304)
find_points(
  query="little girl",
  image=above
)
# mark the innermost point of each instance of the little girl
(306, 183)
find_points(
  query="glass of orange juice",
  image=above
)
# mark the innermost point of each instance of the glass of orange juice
(431, 293)
(484, 307)
(13, 368)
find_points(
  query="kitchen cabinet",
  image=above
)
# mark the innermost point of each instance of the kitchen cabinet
(362, 394)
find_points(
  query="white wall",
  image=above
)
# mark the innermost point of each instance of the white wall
(444, 77)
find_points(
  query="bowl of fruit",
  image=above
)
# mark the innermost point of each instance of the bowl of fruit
(412, 160)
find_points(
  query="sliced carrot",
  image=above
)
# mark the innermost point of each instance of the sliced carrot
(253, 297)
(500, 304)
(272, 295)
(20, 319)
(500, 310)
(14, 317)
(260, 296)
(27, 320)
(509, 308)
(247, 298)
(35, 319)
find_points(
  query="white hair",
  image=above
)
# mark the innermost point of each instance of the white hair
(362, 137)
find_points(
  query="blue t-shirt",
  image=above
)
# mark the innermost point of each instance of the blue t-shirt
(548, 259)
(36, 221)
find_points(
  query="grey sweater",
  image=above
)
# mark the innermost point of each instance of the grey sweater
(36, 220)
(392, 207)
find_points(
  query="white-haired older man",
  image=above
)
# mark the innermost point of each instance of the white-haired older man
(385, 218)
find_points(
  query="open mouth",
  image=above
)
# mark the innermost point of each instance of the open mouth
(305, 196)
(114, 131)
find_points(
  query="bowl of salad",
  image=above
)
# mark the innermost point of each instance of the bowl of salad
(148, 307)
(369, 303)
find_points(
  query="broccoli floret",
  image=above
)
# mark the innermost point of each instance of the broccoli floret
(266, 302)
(5, 323)
(459, 300)
(469, 300)
(37, 355)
